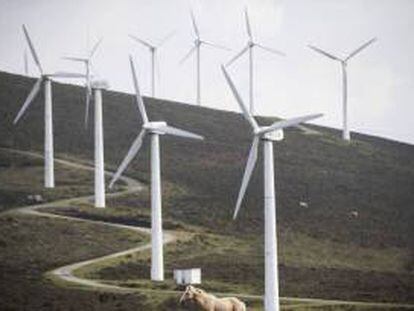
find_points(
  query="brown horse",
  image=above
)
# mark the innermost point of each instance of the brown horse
(208, 302)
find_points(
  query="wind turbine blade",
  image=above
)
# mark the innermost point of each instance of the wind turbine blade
(89, 75)
(132, 152)
(251, 162)
(63, 74)
(145, 43)
(270, 49)
(193, 20)
(215, 45)
(75, 59)
(188, 54)
(362, 47)
(35, 90)
(88, 87)
(26, 63)
(287, 123)
(323, 52)
(179, 132)
(166, 38)
(248, 27)
(237, 56)
(138, 96)
(32, 49)
(87, 105)
(246, 112)
(95, 48)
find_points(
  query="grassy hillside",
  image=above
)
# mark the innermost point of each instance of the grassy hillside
(372, 176)
(22, 177)
(32, 245)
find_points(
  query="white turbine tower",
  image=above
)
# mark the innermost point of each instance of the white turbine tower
(251, 43)
(198, 42)
(266, 134)
(45, 80)
(97, 87)
(155, 129)
(345, 126)
(87, 61)
(153, 50)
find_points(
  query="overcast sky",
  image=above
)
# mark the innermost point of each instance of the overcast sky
(381, 78)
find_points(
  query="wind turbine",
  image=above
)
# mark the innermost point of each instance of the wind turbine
(155, 129)
(198, 42)
(87, 61)
(97, 87)
(266, 134)
(251, 44)
(46, 81)
(344, 62)
(153, 49)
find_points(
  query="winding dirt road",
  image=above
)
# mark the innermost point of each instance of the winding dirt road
(66, 273)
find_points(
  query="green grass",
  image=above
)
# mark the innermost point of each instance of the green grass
(242, 260)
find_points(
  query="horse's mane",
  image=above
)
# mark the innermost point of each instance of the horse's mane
(201, 290)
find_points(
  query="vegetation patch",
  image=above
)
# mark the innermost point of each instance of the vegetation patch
(22, 181)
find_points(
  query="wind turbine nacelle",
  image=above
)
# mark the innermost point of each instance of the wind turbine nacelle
(155, 126)
(277, 135)
(100, 84)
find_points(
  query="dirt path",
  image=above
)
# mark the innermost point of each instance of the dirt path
(66, 273)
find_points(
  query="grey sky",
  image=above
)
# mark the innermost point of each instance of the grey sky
(381, 79)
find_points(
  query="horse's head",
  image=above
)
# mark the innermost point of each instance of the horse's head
(189, 293)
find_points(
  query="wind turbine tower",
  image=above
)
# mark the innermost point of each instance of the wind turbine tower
(251, 44)
(267, 135)
(154, 129)
(344, 63)
(97, 87)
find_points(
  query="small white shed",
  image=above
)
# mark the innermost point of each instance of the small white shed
(187, 276)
